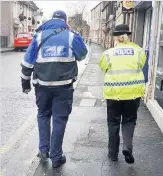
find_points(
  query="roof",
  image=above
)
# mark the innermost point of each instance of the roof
(105, 6)
(33, 4)
(30, 4)
(98, 5)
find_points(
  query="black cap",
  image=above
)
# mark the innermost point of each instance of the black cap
(121, 29)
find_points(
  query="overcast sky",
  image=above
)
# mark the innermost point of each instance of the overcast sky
(49, 7)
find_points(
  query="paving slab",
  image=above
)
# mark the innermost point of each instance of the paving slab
(89, 154)
(88, 102)
(88, 114)
(70, 169)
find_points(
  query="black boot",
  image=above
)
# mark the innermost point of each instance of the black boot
(113, 158)
(43, 155)
(129, 158)
(58, 163)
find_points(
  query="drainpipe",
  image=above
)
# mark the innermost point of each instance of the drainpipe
(99, 27)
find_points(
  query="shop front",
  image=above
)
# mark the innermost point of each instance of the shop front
(154, 97)
(159, 71)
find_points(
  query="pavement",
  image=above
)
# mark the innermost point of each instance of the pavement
(86, 136)
(4, 50)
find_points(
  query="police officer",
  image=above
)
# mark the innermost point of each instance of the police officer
(52, 58)
(124, 85)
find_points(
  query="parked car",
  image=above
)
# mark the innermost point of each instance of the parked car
(22, 41)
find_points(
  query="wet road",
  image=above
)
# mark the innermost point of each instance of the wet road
(16, 109)
(18, 117)
(13, 102)
(12, 99)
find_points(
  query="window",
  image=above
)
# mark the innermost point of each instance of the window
(23, 35)
(159, 72)
(17, 13)
(147, 29)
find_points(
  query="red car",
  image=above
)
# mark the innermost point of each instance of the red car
(23, 40)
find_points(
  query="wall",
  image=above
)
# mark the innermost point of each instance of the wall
(5, 18)
(5, 23)
(96, 26)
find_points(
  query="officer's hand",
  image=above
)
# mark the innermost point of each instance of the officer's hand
(26, 86)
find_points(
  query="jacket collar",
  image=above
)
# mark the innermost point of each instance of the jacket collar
(52, 24)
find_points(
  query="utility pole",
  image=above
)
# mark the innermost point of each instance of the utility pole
(11, 24)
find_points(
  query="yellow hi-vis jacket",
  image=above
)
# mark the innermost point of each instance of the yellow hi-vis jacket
(124, 78)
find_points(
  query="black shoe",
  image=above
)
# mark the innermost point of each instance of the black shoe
(43, 155)
(58, 163)
(129, 158)
(112, 158)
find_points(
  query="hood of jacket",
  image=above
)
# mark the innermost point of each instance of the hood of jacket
(52, 24)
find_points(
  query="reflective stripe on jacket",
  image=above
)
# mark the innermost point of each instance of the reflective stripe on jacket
(122, 65)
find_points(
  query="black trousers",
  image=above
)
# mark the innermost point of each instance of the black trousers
(125, 112)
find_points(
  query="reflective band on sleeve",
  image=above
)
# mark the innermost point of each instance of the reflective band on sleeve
(39, 35)
(114, 72)
(55, 59)
(52, 83)
(118, 84)
(71, 37)
(26, 64)
(25, 77)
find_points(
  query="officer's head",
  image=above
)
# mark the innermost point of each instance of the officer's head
(121, 33)
(59, 14)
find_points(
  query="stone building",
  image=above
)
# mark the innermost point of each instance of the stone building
(108, 23)
(78, 24)
(95, 24)
(18, 16)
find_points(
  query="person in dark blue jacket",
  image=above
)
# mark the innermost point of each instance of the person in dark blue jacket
(52, 58)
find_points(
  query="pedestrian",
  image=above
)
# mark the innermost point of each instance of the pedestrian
(52, 57)
(124, 85)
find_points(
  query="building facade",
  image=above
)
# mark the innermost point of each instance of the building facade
(154, 92)
(5, 21)
(108, 23)
(18, 16)
(95, 24)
